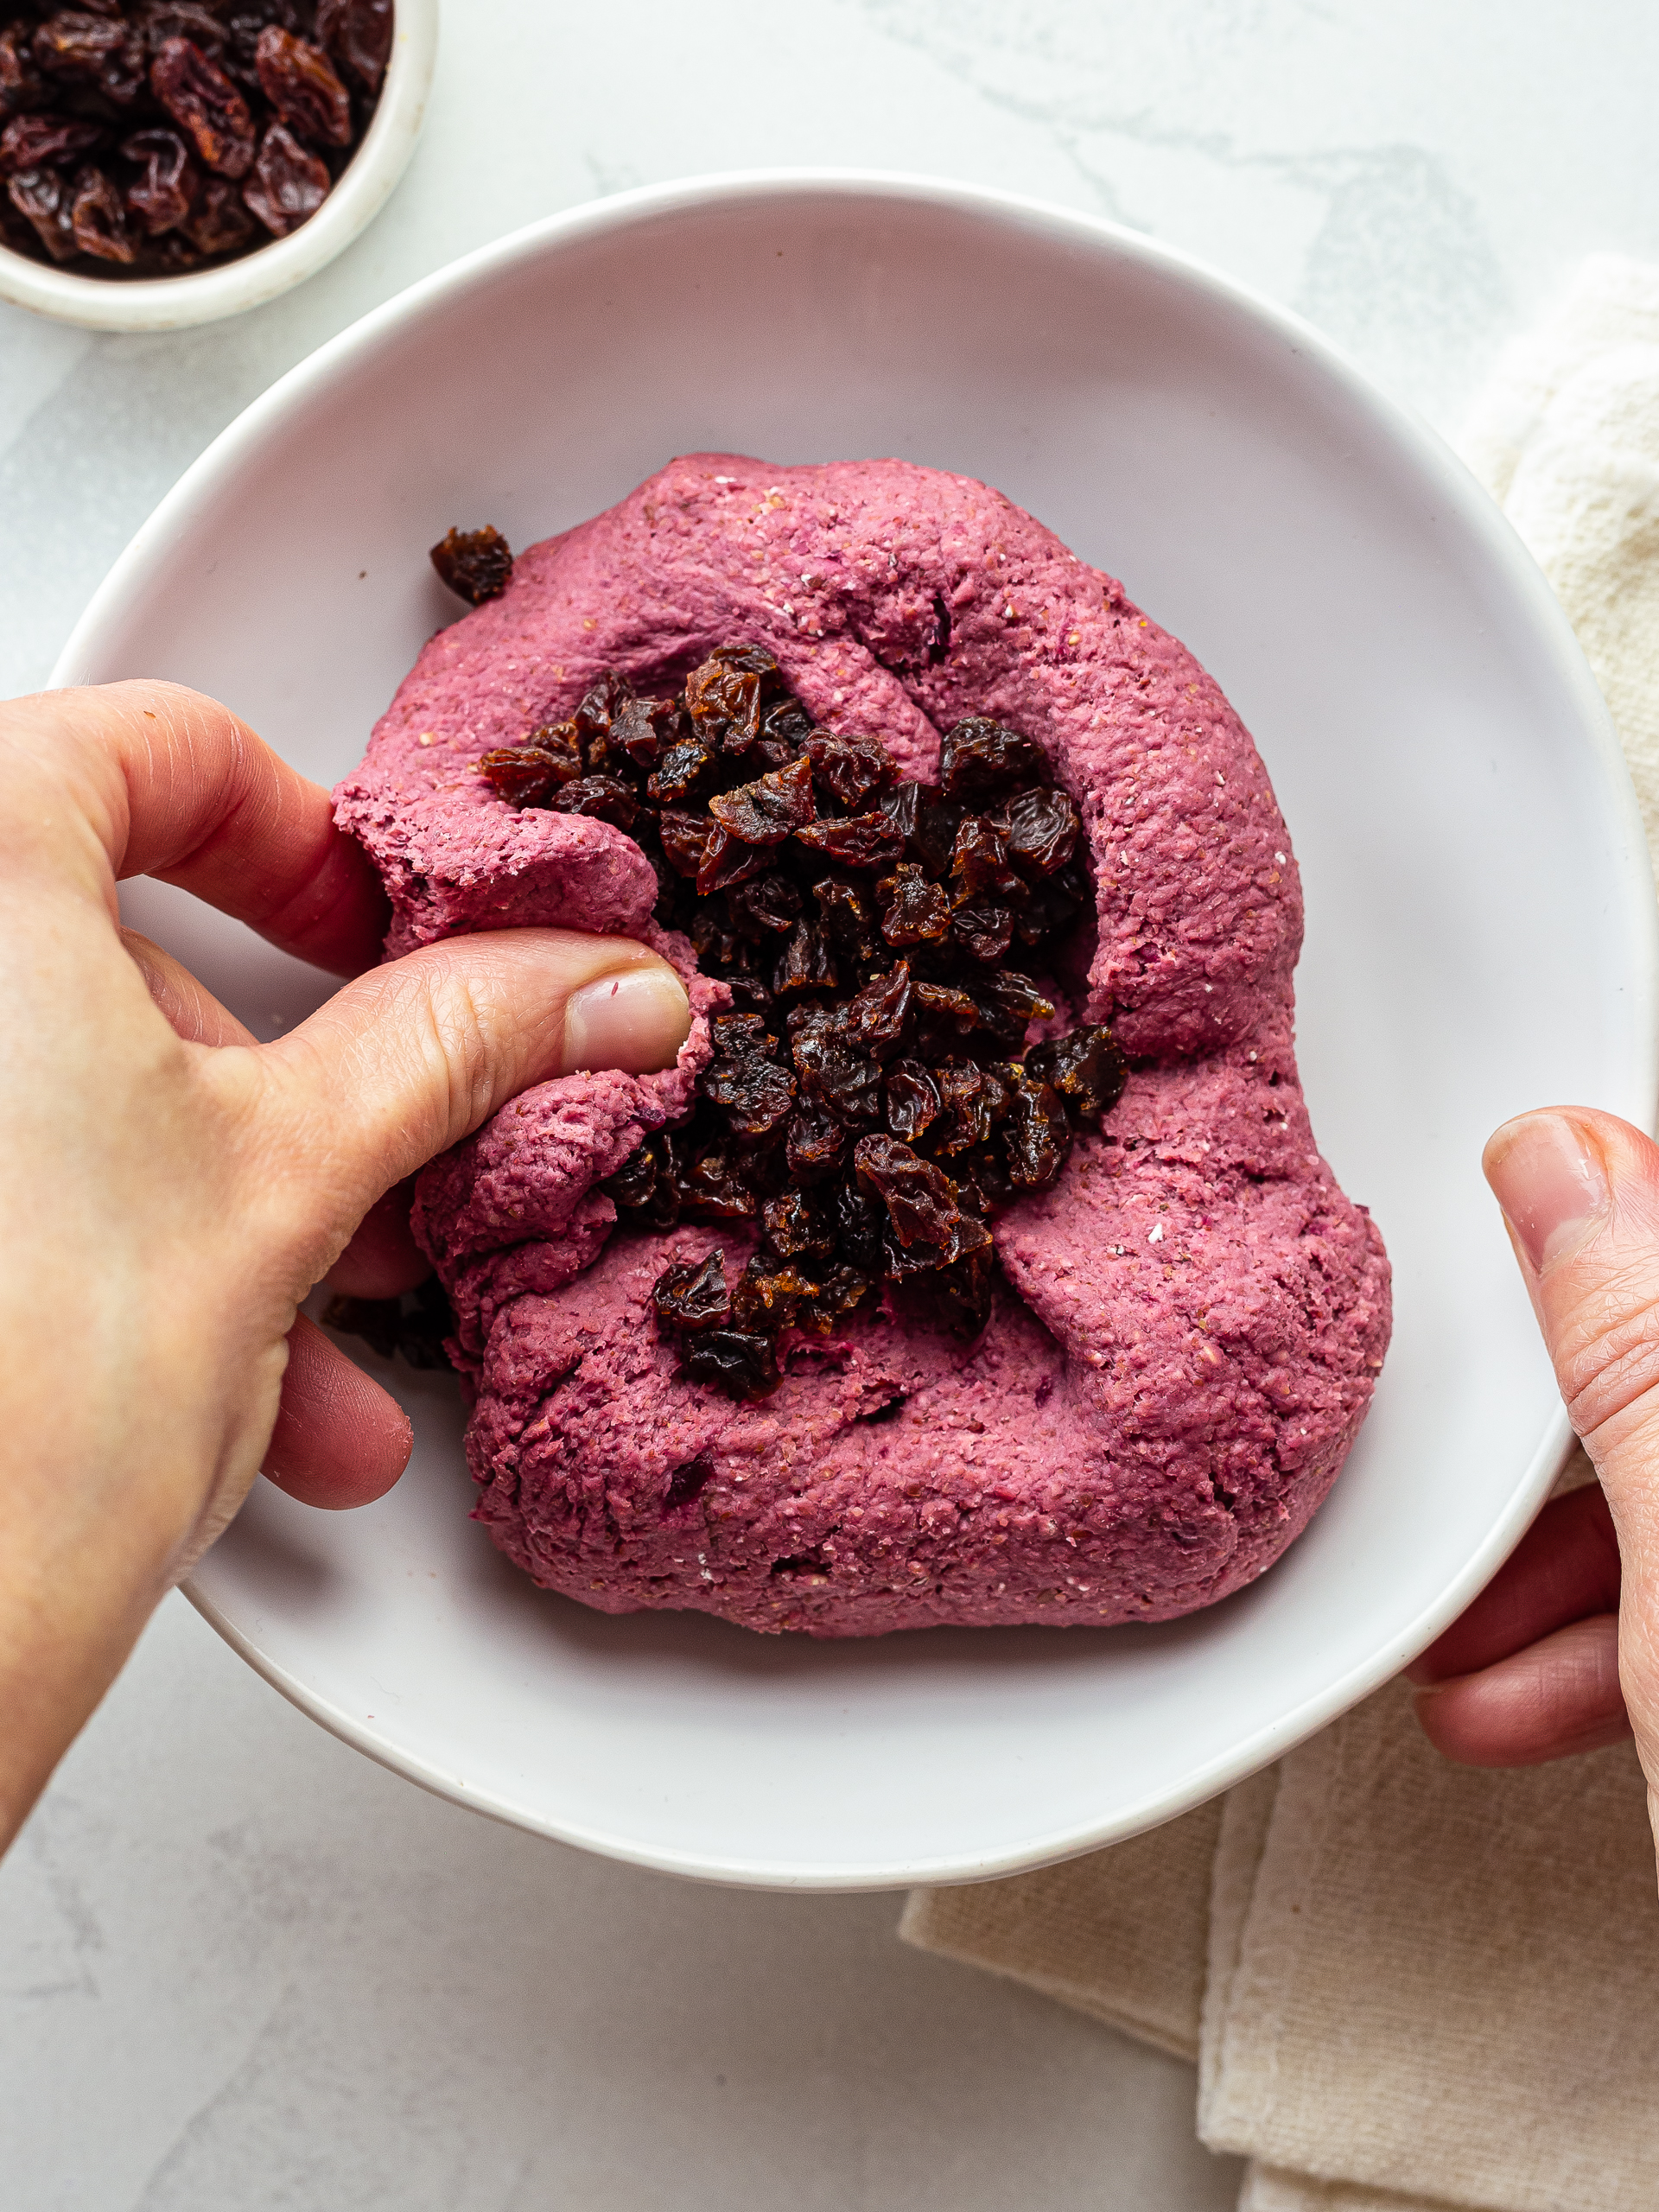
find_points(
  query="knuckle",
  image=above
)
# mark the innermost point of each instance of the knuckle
(1607, 1353)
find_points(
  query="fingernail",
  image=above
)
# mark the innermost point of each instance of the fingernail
(1550, 1185)
(635, 1021)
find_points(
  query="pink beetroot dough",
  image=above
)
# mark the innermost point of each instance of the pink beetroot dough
(1189, 1326)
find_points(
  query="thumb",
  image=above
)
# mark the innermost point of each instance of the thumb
(1579, 1192)
(412, 1057)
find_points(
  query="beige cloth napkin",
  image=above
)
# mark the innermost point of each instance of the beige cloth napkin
(1409, 1985)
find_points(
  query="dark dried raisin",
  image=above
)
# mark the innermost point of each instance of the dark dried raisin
(863, 840)
(162, 198)
(217, 222)
(1085, 1067)
(744, 1365)
(980, 762)
(849, 768)
(289, 182)
(912, 1098)
(107, 55)
(692, 1294)
(755, 1095)
(601, 796)
(357, 33)
(42, 197)
(979, 861)
(299, 80)
(1036, 1136)
(476, 564)
(38, 142)
(97, 218)
(913, 911)
(1043, 828)
(806, 964)
(206, 104)
(765, 811)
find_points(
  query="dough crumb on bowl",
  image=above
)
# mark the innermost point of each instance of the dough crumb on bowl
(1184, 1330)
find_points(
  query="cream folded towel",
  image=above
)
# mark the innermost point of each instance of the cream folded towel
(1409, 1985)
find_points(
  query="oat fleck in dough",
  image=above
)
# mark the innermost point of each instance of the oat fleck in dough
(1186, 1329)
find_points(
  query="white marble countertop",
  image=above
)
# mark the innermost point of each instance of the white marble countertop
(241, 1969)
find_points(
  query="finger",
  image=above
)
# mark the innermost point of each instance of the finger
(412, 1057)
(383, 1260)
(1559, 1696)
(174, 785)
(191, 1010)
(1579, 1192)
(339, 1440)
(1564, 1569)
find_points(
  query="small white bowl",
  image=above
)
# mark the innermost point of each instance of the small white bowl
(1481, 938)
(176, 303)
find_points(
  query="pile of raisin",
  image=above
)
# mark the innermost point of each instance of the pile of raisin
(152, 137)
(871, 1103)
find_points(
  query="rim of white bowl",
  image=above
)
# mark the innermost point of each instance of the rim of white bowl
(366, 185)
(1442, 471)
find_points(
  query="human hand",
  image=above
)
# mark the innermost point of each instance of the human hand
(171, 1190)
(1560, 1653)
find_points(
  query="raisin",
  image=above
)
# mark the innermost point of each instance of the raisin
(912, 1100)
(980, 761)
(692, 1294)
(841, 1080)
(745, 1366)
(644, 1188)
(858, 1223)
(288, 183)
(98, 217)
(770, 902)
(849, 768)
(796, 1227)
(863, 840)
(765, 812)
(806, 962)
(979, 861)
(1008, 1004)
(722, 695)
(38, 142)
(873, 1019)
(848, 920)
(743, 1036)
(1043, 828)
(42, 197)
(162, 196)
(527, 775)
(712, 1188)
(815, 1142)
(22, 84)
(921, 1204)
(961, 1292)
(982, 929)
(913, 911)
(476, 564)
(933, 841)
(684, 769)
(602, 796)
(82, 48)
(1085, 1067)
(755, 1095)
(161, 20)
(206, 104)
(727, 860)
(1036, 1136)
(841, 1289)
(298, 80)
(685, 837)
(357, 33)
(633, 728)
(768, 1297)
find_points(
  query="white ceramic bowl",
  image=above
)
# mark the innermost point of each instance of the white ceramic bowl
(1480, 938)
(176, 303)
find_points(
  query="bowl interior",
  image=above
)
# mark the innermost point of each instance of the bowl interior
(1480, 938)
